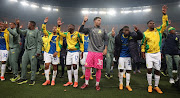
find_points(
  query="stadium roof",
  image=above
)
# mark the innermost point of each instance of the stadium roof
(102, 3)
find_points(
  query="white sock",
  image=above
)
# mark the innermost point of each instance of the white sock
(47, 74)
(86, 82)
(112, 67)
(83, 69)
(97, 83)
(3, 69)
(54, 75)
(72, 70)
(149, 78)
(69, 72)
(91, 72)
(157, 78)
(50, 68)
(121, 77)
(124, 71)
(128, 76)
(76, 75)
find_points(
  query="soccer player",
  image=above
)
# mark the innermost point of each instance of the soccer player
(98, 41)
(150, 49)
(85, 37)
(110, 53)
(14, 50)
(73, 39)
(4, 48)
(33, 46)
(52, 52)
(125, 43)
(45, 42)
(171, 52)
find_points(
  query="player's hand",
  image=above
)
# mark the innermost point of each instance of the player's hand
(17, 21)
(46, 20)
(143, 55)
(113, 32)
(55, 54)
(21, 27)
(36, 28)
(6, 24)
(38, 54)
(164, 9)
(85, 18)
(169, 22)
(59, 21)
(82, 55)
(105, 52)
(135, 28)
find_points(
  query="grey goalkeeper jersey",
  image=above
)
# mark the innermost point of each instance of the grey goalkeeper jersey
(98, 38)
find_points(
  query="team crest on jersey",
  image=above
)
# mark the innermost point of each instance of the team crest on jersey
(130, 38)
(100, 31)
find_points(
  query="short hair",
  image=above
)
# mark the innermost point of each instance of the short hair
(13, 23)
(150, 21)
(33, 23)
(97, 18)
(72, 25)
(121, 30)
(125, 27)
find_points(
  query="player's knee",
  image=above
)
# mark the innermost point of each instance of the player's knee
(128, 71)
(74, 66)
(88, 67)
(121, 70)
(157, 72)
(54, 67)
(3, 62)
(68, 67)
(149, 71)
(46, 67)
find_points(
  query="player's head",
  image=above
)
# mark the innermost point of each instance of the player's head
(54, 29)
(3, 27)
(171, 30)
(12, 25)
(97, 21)
(31, 25)
(151, 24)
(126, 30)
(71, 27)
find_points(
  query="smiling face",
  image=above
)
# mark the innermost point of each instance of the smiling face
(54, 29)
(12, 25)
(71, 27)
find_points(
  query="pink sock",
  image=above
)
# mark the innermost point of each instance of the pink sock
(87, 74)
(98, 75)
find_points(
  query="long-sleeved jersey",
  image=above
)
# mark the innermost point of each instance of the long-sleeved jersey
(54, 42)
(98, 38)
(151, 42)
(73, 40)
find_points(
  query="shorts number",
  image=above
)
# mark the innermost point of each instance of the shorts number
(5, 55)
(55, 58)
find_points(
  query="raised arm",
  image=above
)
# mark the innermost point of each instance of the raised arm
(13, 32)
(138, 35)
(162, 28)
(82, 29)
(47, 33)
(19, 31)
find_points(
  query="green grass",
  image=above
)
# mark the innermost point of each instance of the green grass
(109, 88)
